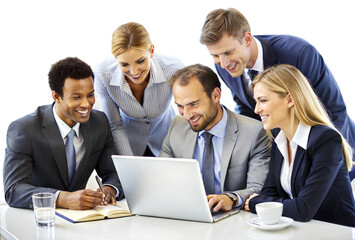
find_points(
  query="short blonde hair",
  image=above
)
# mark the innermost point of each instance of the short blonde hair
(285, 79)
(223, 21)
(130, 35)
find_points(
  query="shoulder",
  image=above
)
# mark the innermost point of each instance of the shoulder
(97, 116)
(321, 134)
(244, 122)
(285, 42)
(108, 65)
(168, 63)
(179, 126)
(34, 118)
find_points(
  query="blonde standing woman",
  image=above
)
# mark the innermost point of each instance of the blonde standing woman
(134, 91)
(310, 159)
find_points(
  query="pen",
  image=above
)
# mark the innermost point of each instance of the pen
(98, 180)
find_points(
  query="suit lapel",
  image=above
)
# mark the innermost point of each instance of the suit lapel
(296, 165)
(190, 143)
(51, 133)
(278, 160)
(229, 143)
(269, 57)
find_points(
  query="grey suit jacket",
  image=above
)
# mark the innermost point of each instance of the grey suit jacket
(245, 158)
(35, 159)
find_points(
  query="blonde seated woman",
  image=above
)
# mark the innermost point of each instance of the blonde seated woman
(134, 91)
(310, 159)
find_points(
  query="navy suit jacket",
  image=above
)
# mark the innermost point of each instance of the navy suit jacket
(320, 183)
(285, 49)
(35, 159)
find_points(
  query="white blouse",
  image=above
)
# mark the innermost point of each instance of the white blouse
(300, 139)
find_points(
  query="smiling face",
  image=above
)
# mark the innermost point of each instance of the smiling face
(200, 110)
(231, 54)
(274, 110)
(77, 101)
(135, 64)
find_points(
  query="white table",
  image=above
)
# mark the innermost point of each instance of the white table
(20, 224)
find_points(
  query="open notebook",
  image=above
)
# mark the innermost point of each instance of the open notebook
(98, 213)
(165, 187)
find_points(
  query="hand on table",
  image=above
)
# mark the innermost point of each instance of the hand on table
(246, 205)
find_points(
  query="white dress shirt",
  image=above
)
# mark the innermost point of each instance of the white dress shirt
(300, 139)
(135, 126)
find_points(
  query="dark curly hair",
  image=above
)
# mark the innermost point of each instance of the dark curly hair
(70, 67)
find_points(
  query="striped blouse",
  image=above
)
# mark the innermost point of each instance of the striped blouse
(135, 126)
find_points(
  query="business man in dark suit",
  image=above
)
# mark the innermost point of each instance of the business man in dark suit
(41, 158)
(238, 145)
(239, 56)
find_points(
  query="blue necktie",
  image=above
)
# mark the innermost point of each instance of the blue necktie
(70, 152)
(207, 164)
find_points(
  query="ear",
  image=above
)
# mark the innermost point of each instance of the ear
(216, 94)
(248, 38)
(152, 51)
(56, 96)
(290, 102)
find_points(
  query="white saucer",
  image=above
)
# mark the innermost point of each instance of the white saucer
(284, 222)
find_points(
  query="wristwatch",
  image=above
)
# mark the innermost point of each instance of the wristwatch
(233, 197)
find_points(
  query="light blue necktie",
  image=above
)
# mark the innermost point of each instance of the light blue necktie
(70, 152)
(208, 164)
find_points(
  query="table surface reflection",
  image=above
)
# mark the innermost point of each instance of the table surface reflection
(20, 224)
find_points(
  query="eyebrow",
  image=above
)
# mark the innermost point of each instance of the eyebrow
(227, 51)
(188, 103)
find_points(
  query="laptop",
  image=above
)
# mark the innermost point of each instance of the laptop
(165, 187)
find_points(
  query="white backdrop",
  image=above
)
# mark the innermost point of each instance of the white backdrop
(35, 34)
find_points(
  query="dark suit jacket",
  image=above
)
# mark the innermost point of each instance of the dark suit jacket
(319, 183)
(284, 49)
(35, 159)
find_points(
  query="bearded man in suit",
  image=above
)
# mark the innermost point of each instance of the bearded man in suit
(232, 150)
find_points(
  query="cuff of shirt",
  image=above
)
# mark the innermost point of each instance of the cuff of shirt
(117, 191)
(240, 201)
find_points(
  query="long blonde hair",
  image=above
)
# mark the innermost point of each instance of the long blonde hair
(130, 35)
(285, 79)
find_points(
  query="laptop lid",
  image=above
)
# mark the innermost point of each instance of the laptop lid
(163, 187)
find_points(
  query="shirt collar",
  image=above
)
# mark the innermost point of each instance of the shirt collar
(219, 129)
(63, 127)
(259, 63)
(300, 138)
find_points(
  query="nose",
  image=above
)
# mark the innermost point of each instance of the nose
(224, 61)
(185, 113)
(257, 109)
(85, 103)
(133, 70)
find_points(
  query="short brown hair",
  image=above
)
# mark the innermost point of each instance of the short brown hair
(207, 77)
(130, 35)
(221, 21)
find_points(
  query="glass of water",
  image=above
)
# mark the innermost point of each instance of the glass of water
(44, 208)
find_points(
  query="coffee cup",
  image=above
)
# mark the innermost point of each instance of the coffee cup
(269, 212)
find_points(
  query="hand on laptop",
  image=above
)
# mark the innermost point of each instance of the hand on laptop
(79, 200)
(218, 202)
